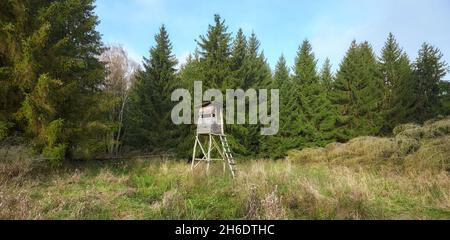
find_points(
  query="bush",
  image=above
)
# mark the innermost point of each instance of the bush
(363, 149)
(406, 145)
(433, 154)
(401, 128)
(55, 154)
(308, 155)
(413, 132)
(4, 127)
(437, 129)
(409, 147)
(53, 132)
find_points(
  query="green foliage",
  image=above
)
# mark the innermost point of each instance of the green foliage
(56, 154)
(53, 132)
(148, 118)
(358, 93)
(315, 116)
(39, 107)
(4, 129)
(256, 74)
(444, 97)
(54, 89)
(429, 68)
(214, 54)
(397, 76)
(276, 146)
(51, 70)
(237, 61)
(326, 76)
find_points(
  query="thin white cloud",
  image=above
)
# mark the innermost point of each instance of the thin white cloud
(182, 58)
(132, 54)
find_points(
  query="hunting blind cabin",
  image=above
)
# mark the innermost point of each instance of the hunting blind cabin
(210, 131)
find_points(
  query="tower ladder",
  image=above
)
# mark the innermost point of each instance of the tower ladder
(228, 155)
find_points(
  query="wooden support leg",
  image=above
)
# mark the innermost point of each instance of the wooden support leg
(209, 154)
(195, 153)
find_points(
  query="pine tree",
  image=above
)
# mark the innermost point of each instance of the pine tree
(150, 125)
(429, 68)
(257, 75)
(185, 134)
(444, 96)
(50, 51)
(326, 76)
(276, 146)
(12, 17)
(215, 52)
(396, 73)
(357, 93)
(237, 61)
(257, 71)
(315, 116)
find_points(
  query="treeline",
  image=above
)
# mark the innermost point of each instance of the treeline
(369, 94)
(73, 97)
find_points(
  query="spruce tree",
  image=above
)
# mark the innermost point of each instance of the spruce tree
(257, 75)
(257, 71)
(429, 68)
(395, 68)
(50, 50)
(276, 146)
(444, 96)
(315, 116)
(215, 51)
(326, 76)
(149, 116)
(184, 135)
(237, 61)
(12, 17)
(358, 93)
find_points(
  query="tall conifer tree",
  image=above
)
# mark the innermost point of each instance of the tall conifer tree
(358, 93)
(49, 52)
(149, 120)
(429, 68)
(315, 116)
(215, 52)
(396, 73)
(326, 76)
(277, 146)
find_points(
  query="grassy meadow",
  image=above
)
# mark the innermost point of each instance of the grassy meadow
(402, 177)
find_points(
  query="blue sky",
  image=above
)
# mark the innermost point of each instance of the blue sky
(280, 25)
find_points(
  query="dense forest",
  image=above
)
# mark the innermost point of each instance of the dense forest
(73, 97)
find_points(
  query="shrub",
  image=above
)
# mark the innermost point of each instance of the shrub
(437, 129)
(401, 128)
(433, 155)
(53, 132)
(4, 127)
(406, 146)
(308, 155)
(414, 133)
(55, 154)
(364, 149)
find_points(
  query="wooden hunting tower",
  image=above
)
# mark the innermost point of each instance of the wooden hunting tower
(210, 119)
(211, 131)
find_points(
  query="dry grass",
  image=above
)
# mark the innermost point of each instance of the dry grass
(404, 177)
(265, 190)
